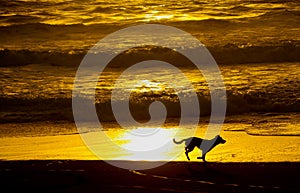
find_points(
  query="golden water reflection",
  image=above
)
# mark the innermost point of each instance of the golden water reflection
(240, 147)
(147, 143)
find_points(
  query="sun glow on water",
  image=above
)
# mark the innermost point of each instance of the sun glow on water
(147, 85)
(156, 141)
(156, 15)
(142, 139)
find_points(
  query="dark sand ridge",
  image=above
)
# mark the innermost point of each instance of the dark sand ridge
(98, 176)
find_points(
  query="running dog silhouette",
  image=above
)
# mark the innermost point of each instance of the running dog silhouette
(192, 142)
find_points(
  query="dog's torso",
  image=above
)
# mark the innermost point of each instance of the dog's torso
(193, 142)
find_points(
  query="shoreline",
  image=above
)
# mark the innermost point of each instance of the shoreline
(239, 148)
(94, 176)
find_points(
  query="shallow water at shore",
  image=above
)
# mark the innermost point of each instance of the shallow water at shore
(65, 143)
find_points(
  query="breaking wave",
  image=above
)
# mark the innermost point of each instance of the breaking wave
(228, 54)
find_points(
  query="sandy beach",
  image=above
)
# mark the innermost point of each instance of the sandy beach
(98, 176)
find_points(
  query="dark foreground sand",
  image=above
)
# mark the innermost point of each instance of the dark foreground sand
(98, 176)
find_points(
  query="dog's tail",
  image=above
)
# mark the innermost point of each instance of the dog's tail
(178, 142)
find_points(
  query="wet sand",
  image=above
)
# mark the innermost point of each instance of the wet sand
(240, 147)
(98, 176)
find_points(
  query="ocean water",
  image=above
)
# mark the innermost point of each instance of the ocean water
(128, 11)
(256, 44)
(235, 31)
(266, 96)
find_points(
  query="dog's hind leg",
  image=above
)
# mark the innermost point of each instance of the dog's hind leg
(202, 157)
(187, 155)
(187, 151)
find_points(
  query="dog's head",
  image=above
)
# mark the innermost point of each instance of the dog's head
(220, 140)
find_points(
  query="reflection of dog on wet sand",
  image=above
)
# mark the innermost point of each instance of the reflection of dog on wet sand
(192, 142)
